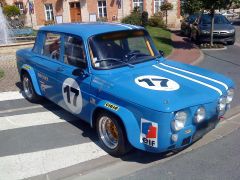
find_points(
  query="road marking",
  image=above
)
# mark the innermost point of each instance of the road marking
(11, 95)
(35, 163)
(20, 109)
(34, 119)
(191, 79)
(199, 75)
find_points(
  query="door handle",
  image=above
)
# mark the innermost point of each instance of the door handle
(60, 69)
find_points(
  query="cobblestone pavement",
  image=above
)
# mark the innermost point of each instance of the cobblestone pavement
(10, 82)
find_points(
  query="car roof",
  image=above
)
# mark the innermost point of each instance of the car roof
(89, 29)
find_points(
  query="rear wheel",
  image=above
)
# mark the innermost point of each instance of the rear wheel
(231, 42)
(28, 89)
(112, 135)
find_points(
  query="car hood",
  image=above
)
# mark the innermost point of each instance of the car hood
(218, 27)
(167, 86)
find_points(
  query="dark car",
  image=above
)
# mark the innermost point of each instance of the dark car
(187, 23)
(224, 31)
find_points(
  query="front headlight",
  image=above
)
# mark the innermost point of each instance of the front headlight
(205, 32)
(231, 31)
(179, 120)
(222, 104)
(230, 94)
(200, 115)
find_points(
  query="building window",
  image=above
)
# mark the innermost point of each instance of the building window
(49, 12)
(20, 7)
(157, 5)
(139, 4)
(102, 9)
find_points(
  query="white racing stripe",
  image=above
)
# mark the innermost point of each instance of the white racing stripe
(11, 95)
(191, 79)
(199, 75)
(124, 26)
(34, 119)
(35, 163)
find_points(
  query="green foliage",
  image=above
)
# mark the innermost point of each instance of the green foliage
(46, 23)
(157, 21)
(102, 19)
(1, 73)
(166, 6)
(134, 18)
(144, 18)
(11, 11)
(190, 6)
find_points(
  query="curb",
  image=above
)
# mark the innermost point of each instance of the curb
(199, 59)
(214, 49)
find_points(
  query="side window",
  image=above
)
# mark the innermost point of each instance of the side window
(74, 52)
(51, 47)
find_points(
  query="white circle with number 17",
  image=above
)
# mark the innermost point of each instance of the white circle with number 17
(72, 95)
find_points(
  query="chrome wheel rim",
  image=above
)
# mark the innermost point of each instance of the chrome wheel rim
(108, 132)
(27, 87)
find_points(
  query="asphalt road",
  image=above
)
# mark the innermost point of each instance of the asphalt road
(217, 160)
(43, 141)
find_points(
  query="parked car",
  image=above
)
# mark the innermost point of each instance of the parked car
(229, 14)
(186, 24)
(113, 77)
(224, 31)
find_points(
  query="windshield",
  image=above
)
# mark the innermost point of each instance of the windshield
(118, 49)
(219, 19)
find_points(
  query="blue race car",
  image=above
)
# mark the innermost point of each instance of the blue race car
(113, 77)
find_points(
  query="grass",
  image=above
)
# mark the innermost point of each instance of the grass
(161, 39)
(1, 73)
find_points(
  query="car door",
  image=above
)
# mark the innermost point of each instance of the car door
(74, 79)
(48, 65)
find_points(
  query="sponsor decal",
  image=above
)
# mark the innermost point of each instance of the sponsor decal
(111, 106)
(157, 83)
(42, 76)
(26, 67)
(72, 95)
(149, 133)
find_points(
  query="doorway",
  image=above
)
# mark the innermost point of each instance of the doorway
(75, 11)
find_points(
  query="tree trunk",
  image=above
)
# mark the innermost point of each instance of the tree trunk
(166, 18)
(212, 26)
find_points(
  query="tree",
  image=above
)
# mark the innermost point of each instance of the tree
(166, 6)
(190, 6)
(211, 6)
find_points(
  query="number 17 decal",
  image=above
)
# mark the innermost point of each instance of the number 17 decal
(72, 95)
(157, 83)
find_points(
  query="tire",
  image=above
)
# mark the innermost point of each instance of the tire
(111, 134)
(231, 42)
(28, 89)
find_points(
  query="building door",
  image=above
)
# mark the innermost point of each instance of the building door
(75, 12)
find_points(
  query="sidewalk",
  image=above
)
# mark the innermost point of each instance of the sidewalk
(183, 51)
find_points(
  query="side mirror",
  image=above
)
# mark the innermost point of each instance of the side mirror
(161, 53)
(78, 72)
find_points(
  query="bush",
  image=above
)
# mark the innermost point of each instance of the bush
(11, 11)
(145, 18)
(134, 18)
(1, 73)
(157, 21)
(51, 22)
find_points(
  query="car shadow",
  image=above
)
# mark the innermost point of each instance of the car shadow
(87, 131)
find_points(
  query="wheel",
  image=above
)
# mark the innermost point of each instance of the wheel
(112, 135)
(231, 42)
(28, 89)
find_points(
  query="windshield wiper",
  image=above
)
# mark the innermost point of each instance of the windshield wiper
(115, 59)
(133, 55)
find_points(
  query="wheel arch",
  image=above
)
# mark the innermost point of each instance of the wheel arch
(127, 120)
(26, 69)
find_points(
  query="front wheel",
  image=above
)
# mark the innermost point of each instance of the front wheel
(28, 89)
(112, 135)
